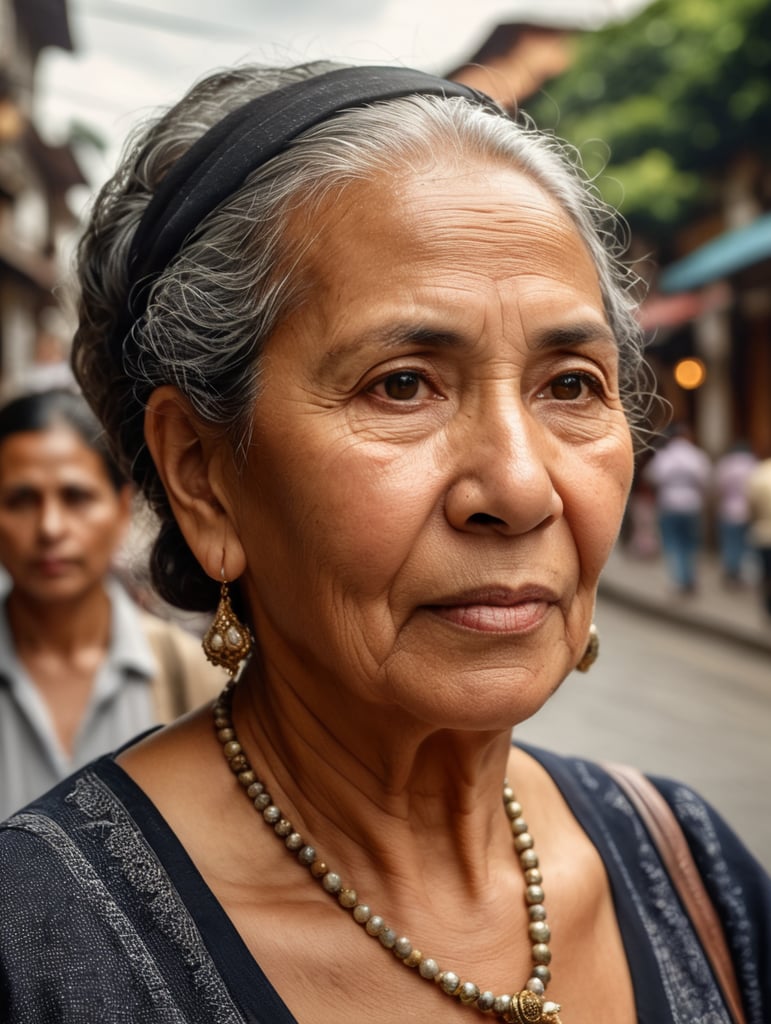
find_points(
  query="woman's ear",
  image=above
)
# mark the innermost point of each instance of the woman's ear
(193, 460)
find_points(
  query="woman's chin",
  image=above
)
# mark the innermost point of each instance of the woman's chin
(476, 699)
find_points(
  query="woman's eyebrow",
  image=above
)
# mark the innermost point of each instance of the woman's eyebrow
(565, 335)
(407, 333)
(394, 336)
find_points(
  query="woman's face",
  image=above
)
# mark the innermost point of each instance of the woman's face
(440, 458)
(61, 519)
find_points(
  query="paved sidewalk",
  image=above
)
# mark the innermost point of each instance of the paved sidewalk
(735, 614)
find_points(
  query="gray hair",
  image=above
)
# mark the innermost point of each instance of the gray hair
(212, 309)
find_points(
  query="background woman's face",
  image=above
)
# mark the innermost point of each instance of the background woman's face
(61, 519)
(440, 459)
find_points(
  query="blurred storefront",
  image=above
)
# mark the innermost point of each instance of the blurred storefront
(34, 180)
(714, 305)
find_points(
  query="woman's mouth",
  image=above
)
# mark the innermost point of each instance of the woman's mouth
(53, 567)
(498, 610)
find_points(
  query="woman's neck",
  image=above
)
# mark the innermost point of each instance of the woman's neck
(383, 810)
(62, 627)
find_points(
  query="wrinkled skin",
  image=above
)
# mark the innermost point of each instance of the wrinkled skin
(440, 459)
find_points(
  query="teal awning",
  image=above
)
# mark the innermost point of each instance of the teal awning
(723, 256)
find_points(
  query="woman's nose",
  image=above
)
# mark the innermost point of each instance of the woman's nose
(504, 464)
(52, 518)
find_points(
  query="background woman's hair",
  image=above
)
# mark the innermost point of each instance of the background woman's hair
(213, 308)
(55, 408)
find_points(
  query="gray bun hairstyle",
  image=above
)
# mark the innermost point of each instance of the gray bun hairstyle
(212, 309)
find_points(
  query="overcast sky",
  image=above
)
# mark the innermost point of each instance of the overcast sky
(132, 55)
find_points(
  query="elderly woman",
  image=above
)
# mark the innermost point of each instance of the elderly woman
(359, 338)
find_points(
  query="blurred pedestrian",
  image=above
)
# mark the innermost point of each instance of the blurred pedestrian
(642, 535)
(731, 477)
(680, 472)
(81, 668)
(759, 490)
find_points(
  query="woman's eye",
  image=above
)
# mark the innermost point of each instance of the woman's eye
(402, 386)
(20, 501)
(76, 496)
(569, 387)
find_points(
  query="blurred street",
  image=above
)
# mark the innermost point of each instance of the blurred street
(682, 688)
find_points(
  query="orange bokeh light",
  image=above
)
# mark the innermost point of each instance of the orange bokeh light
(690, 373)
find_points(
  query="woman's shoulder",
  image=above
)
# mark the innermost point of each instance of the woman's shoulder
(90, 823)
(642, 879)
(595, 791)
(614, 820)
(90, 918)
(53, 824)
(47, 860)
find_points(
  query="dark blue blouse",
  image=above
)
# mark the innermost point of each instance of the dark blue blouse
(104, 918)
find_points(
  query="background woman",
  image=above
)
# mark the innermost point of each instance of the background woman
(81, 668)
(364, 347)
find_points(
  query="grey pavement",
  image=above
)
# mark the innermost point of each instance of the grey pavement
(734, 614)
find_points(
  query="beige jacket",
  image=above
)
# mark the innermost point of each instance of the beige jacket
(759, 493)
(185, 679)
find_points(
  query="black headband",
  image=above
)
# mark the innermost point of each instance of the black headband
(219, 162)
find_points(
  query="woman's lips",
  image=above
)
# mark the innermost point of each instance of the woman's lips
(497, 610)
(53, 566)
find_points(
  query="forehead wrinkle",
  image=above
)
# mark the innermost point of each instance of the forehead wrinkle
(440, 219)
(438, 229)
(447, 221)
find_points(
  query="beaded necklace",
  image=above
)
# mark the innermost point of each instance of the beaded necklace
(527, 1006)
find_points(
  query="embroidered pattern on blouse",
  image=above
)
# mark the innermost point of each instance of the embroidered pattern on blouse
(692, 812)
(686, 977)
(121, 838)
(94, 892)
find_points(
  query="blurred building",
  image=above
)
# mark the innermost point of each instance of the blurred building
(722, 285)
(516, 60)
(34, 218)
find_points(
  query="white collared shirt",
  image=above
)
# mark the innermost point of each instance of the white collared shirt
(31, 756)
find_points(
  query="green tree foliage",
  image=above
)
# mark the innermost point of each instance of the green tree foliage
(658, 106)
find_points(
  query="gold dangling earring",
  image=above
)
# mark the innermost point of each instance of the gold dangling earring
(227, 641)
(592, 651)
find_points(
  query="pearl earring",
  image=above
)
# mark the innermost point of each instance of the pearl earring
(227, 641)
